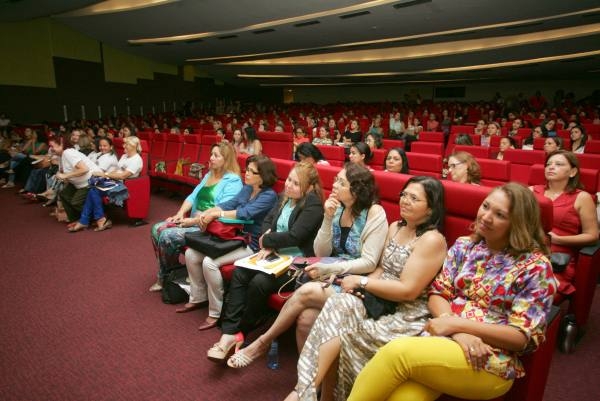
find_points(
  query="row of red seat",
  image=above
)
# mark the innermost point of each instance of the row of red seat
(516, 165)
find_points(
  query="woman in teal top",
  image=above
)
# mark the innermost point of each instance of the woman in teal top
(220, 184)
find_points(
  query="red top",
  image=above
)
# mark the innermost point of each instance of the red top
(566, 221)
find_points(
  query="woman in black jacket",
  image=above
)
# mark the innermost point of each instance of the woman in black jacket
(290, 229)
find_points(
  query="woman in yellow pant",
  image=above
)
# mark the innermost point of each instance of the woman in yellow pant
(490, 303)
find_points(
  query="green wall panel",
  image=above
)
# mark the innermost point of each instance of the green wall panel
(27, 54)
(68, 43)
(127, 68)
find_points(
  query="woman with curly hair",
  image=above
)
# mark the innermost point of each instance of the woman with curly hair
(354, 229)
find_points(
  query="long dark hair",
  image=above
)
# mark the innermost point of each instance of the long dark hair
(434, 192)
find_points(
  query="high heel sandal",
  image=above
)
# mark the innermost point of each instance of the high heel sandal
(218, 354)
(240, 359)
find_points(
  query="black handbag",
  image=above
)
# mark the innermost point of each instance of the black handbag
(211, 246)
(171, 292)
(377, 307)
(559, 261)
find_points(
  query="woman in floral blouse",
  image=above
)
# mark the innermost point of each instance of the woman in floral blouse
(489, 304)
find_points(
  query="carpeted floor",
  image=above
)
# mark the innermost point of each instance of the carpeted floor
(77, 323)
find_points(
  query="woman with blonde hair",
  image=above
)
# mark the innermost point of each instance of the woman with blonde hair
(220, 184)
(463, 167)
(289, 229)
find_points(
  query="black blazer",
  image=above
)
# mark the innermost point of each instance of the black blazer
(303, 225)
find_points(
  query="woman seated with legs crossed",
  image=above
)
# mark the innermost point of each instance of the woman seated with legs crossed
(353, 229)
(129, 166)
(220, 184)
(414, 253)
(290, 229)
(490, 303)
(254, 202)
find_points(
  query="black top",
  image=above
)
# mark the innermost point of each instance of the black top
(303, 225)
(353, 136)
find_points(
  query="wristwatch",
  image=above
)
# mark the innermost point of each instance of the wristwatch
(363, 282)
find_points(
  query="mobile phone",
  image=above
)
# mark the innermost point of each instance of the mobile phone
(272, 257)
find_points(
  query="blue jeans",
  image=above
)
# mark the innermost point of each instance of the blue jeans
(93, 209)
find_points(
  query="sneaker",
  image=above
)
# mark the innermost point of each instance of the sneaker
(11, 171)
(9, 185)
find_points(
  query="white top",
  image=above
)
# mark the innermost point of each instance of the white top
(132, 164)
(106, 161)
(69, 159)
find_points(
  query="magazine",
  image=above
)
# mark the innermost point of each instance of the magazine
(274, 264)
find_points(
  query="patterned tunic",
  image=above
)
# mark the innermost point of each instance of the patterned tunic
(498, 289)
(344, 316)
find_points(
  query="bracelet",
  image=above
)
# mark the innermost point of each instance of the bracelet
(222, 214)
(446, 314)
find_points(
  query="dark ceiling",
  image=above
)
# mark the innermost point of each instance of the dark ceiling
(289, 42)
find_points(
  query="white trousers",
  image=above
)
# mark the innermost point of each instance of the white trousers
(205, 277)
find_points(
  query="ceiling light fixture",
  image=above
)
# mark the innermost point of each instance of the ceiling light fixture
(435, 70)
(115, 6)
(429, 50)
(477, 29)
(271, 24)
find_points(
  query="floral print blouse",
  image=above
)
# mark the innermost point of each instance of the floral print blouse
(498, 289)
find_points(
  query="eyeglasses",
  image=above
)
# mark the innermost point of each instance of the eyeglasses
(453, 165)
(411, 198)
(249, 170)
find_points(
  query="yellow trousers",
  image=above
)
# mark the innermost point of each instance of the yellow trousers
(423, 368)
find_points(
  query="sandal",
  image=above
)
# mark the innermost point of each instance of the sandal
(77, 226)
(107, 224)
(216, 353)
(240, 359)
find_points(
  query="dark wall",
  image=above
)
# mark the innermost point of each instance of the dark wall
(82, 83)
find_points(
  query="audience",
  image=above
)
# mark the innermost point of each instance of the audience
(489, 304)
(413, 255)
(575, 221)
(129, 166)
(289, 229)
(75, 169)
(463, 167)
(310, 153)
(353, 230)
(251, 204)
(253, 144)
(360, 153)
(396, 161)
(552, 144)
(578, 139)
(506, 142)
(220, 184)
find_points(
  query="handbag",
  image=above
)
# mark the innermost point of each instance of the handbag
(171, 292)
(196, 170)
(219, 238)
(376, 306)
(559, 261)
